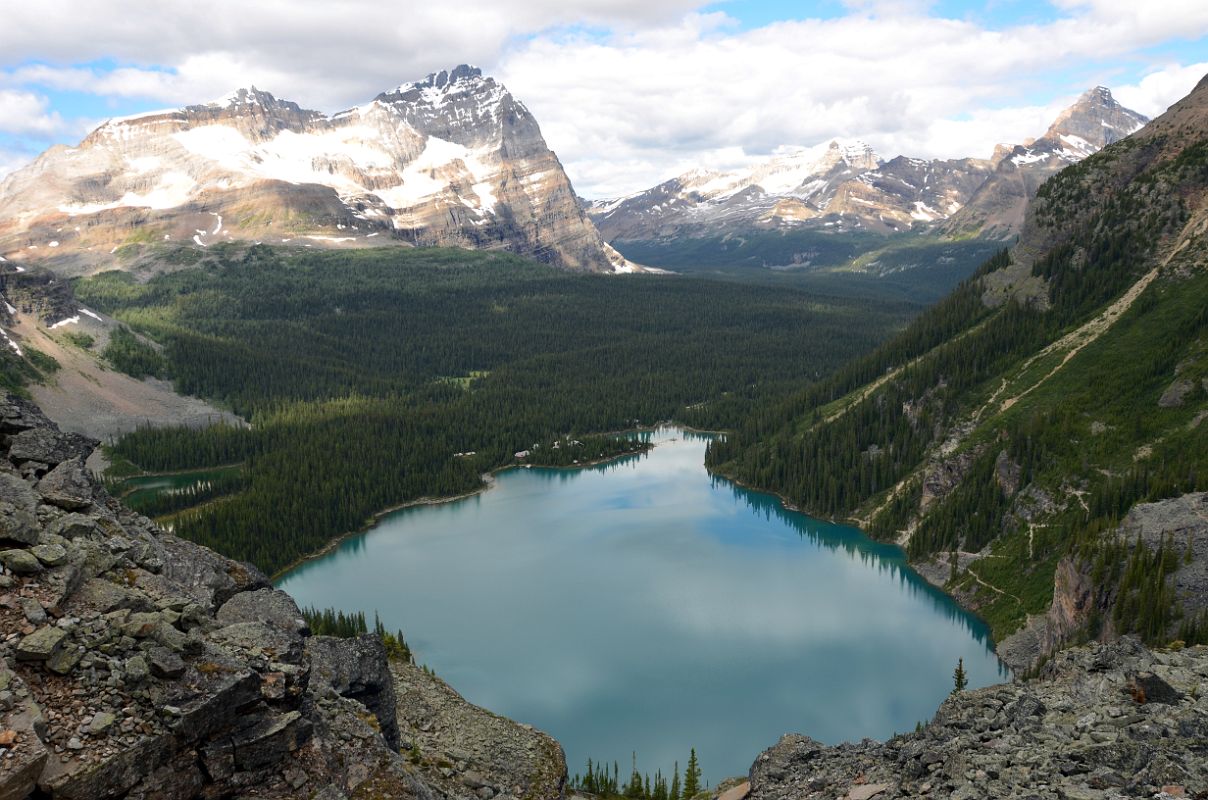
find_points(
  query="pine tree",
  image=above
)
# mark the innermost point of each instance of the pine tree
(675, 784)
(959, 679)
(691, 776)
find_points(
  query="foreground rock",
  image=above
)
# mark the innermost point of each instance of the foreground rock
(1108, 721)
(135, 664)
(465, 751)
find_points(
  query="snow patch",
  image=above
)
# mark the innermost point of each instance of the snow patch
(92, 314)
(69, 321)
(11, 343)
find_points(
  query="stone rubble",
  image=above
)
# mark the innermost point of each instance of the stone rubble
(1102, 721)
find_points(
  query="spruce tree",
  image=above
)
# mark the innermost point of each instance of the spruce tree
(959, 679)
(691, 776)
(675, 784)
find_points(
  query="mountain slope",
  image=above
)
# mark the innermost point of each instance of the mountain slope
(1006, 434)
(451, 160)
(844, 186)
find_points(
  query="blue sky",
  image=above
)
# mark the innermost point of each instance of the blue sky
(628, 92)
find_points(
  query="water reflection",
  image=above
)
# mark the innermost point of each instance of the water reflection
(645, 605)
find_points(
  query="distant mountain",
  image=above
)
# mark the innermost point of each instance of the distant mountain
(996, 209)
(843, 186)
(451, 160)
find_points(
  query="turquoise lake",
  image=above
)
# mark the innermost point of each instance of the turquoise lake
(644, 605)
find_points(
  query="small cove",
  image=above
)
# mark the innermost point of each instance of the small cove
(644, 605)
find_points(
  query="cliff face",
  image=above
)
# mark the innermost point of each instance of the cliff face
(1109, 721)
(135, 664)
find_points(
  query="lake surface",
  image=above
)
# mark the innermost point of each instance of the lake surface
(643, 605)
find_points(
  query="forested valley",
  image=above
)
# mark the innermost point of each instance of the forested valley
(374, 378)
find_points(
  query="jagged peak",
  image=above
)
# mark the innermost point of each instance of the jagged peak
(461, 76)
(1098, 94)
(243, 96)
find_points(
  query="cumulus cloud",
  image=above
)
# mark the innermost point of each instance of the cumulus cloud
(1161, 88)
(657, 100)
(23, 112)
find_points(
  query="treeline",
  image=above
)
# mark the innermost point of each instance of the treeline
(331, 622)
(600, 781)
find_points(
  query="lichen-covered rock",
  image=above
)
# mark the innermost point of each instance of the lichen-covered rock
(49, 446)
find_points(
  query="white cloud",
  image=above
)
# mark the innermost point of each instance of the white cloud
(1162, 88)
(650, 102)
(23, 112)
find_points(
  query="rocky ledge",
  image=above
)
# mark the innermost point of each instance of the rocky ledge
(1104, 721)
(138, 665)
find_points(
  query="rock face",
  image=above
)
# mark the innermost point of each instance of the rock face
(845, 186)
(1109, 721)
(137, 665)
(451, 160)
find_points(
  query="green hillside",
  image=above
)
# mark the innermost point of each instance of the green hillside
(1014, 424)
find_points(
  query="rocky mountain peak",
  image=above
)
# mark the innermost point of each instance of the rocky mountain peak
(453, 160)
(1094, 121)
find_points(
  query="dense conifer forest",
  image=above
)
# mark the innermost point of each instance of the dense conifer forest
(374, 378)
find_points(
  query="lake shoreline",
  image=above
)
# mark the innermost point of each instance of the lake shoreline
(488, 480)
(851, 523)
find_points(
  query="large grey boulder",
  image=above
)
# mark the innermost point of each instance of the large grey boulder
(69, 485)
(267, 605)
(357, 668)
(49, 446)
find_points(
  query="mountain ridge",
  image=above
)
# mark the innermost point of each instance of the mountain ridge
(866, 192)
(451, 160)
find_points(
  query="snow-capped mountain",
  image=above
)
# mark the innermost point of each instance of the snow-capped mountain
(845, 186)
(996, 209)
(451, 160)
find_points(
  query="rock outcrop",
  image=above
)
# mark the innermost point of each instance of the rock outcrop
(454, 159)
(135, 664)
(1108, 721)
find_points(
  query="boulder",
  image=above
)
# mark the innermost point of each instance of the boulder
(41, 644)
(267, 605)
(49, 446)
(20, 562)
(69, 485)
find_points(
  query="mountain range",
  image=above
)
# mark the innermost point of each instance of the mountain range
(454, 159)
(844, 186)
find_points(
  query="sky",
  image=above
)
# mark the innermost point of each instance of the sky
(627, 92)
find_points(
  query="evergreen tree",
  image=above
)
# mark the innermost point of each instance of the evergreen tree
(691, 776)
(675, 784)
(959, 679)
